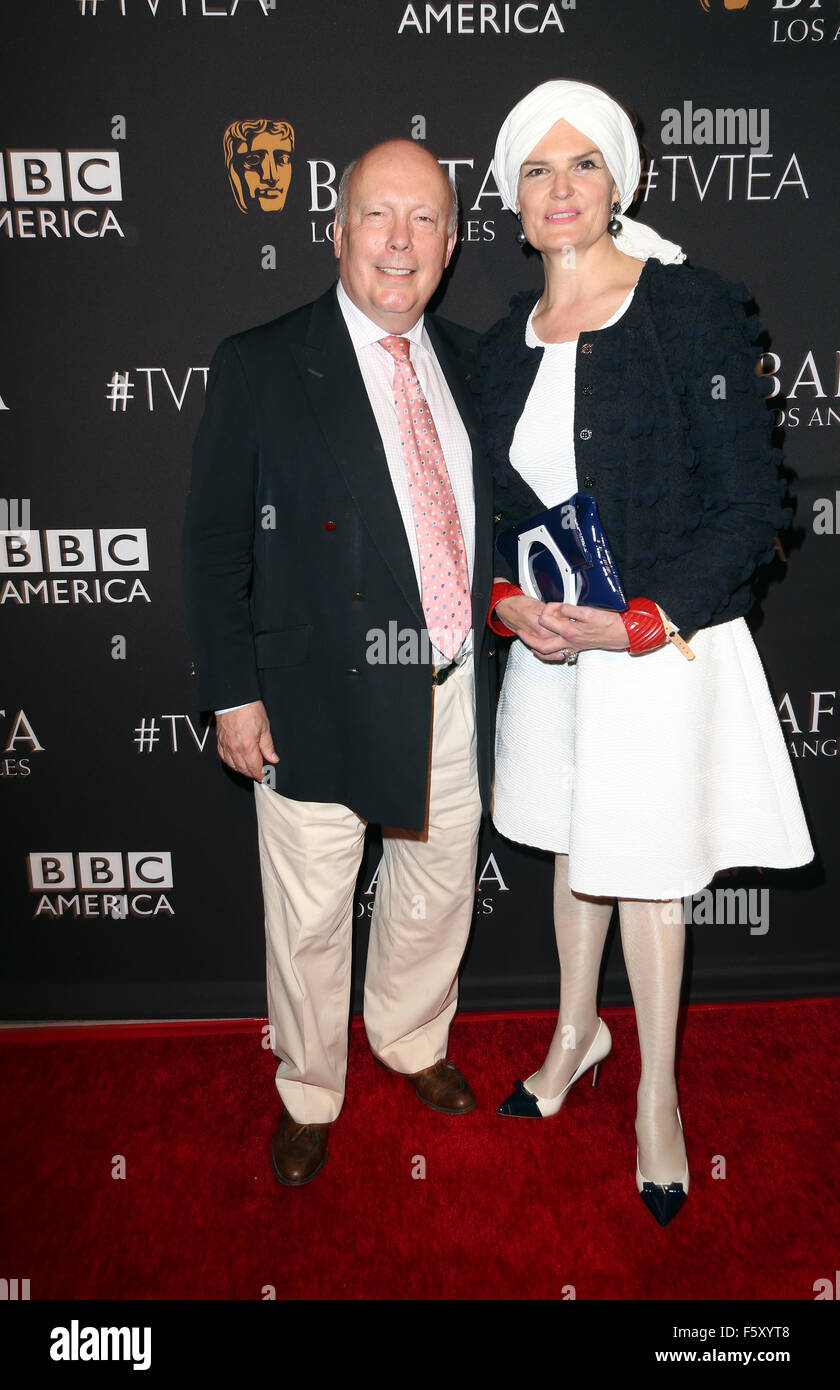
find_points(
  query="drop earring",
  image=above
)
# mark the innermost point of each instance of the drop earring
(614, 226)
(520, 235)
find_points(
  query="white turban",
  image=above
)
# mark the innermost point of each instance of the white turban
(601, 119)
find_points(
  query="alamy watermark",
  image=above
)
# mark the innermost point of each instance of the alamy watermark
(78, 1342)
(720, 125)
(719, 907)
(404, 646)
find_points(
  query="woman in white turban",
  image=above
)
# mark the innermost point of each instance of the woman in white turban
(644, 764)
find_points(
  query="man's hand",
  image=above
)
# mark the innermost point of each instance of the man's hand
(243, 738)
(551, 628)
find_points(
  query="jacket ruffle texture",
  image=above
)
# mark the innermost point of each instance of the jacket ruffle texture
(672, 436)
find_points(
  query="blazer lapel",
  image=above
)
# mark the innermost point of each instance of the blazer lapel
(458, 379)
(336, 391)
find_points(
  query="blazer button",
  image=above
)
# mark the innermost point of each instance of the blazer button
(352, 670)
(497, 516)
(586, 434)
(587, 390)
(587, 348)
(357, 596)
(589, 481)
(492, 651)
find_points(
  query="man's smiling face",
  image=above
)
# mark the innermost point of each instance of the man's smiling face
(394, 245)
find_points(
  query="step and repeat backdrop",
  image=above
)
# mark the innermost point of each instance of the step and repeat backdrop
(167, 177)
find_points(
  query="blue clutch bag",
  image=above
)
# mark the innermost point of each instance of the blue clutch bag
(562, 556)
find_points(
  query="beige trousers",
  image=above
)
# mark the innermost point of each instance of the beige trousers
(310, 854)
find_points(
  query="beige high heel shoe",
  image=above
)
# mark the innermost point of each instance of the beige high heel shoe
(527, 1104)
(663, 1200)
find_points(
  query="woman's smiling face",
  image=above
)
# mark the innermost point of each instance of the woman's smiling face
(565, 191)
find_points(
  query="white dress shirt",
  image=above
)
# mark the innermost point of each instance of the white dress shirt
(377, 369)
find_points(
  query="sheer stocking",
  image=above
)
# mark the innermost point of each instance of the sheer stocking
(653, 940)
(580, 926)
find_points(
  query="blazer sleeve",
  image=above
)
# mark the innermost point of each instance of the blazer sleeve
(217, 539)
(730, 507)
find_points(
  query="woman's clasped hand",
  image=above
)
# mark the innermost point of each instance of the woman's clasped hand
(552, 629)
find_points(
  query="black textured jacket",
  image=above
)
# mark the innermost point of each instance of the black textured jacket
(672, 436)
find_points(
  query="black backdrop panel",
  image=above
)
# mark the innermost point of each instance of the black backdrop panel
(130, 864)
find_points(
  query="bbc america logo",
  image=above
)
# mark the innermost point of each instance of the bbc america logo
(80, 566)
(100, 883)
(33, 182)
(507, 17)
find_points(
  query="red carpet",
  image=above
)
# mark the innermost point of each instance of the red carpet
(508, 1209)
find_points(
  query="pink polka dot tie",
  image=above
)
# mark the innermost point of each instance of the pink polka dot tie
(444, 576)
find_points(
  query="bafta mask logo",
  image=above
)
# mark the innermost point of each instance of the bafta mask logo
(258, 155)
(727, 4)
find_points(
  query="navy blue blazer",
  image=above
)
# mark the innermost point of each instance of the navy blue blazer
(672, 436)
(294, 551)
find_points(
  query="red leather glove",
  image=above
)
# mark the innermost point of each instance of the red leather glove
(501, 589)
(644, 625)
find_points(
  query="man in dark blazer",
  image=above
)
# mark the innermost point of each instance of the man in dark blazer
(309, 621)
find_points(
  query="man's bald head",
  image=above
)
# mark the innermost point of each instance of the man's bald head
(408, 149)
(394, 233)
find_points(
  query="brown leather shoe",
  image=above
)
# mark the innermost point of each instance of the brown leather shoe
(298, 1152)
(444, 1088)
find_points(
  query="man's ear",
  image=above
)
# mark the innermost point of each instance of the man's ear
(336, 238)
(450, 246)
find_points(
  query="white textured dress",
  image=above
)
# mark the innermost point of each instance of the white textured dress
(652, 772)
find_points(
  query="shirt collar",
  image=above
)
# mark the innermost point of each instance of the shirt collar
(363, 331)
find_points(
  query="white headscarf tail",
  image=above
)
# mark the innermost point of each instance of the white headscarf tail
(599, 117)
